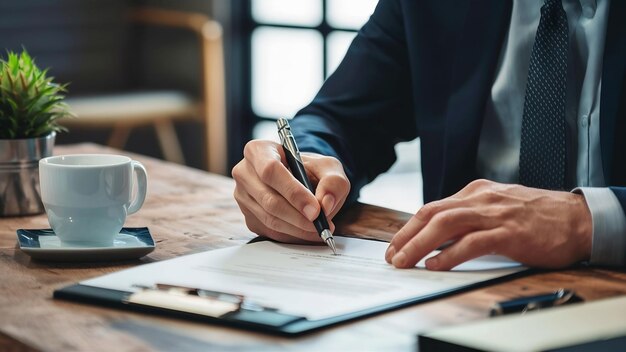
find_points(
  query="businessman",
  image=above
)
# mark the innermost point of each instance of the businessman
(520, 107)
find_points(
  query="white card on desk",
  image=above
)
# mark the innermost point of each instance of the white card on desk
(542, 330)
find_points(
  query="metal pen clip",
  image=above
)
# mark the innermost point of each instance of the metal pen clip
(287, 139)
(535, 302)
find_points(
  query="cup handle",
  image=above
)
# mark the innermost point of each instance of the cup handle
(142, 185)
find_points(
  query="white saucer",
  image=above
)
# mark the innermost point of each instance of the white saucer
(45, 245)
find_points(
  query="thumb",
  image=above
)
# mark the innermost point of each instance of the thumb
(333, 185)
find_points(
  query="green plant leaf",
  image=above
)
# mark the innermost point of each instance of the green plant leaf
(30, 101)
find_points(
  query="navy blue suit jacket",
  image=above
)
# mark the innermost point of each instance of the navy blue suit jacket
(422, 68)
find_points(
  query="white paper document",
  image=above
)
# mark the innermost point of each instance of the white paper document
(307, 281)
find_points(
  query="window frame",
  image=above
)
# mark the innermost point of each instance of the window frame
(243, 118)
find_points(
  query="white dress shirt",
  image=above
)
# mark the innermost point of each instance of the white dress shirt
(499, 145)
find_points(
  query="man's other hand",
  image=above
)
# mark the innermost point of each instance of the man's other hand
(535, 227)
(275, 204)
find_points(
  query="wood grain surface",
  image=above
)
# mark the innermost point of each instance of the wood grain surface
(190, 211)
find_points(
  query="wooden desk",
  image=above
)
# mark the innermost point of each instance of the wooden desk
(189, 211)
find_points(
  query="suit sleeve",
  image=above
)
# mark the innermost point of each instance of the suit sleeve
(620, 194)
(364, 108)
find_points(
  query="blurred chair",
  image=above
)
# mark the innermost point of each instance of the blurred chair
(126, 110)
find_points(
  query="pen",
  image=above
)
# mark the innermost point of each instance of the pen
(297, 169)
(535, 302)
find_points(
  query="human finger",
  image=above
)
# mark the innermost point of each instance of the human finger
(333, 185)
(468, 247)
(268, 199)
(271, 222)
(284, 234)
(268, 161)
(444, 226)
(417, 222)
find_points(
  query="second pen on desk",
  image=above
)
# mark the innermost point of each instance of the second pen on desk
(297, 169)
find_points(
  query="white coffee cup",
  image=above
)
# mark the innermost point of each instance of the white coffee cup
(88, 196)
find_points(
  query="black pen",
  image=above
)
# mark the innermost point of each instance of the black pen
(535, 302)
(297, 169)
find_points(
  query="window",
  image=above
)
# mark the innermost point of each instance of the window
(294, 46)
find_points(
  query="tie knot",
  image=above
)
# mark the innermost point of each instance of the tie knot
(552, 6)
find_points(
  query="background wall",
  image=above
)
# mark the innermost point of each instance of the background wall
(90, 44)
(85, 42)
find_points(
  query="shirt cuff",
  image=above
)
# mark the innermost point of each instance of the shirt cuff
(609, 226)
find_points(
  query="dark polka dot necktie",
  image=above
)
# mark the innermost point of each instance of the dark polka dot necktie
(542, 149)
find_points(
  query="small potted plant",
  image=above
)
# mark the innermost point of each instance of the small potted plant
(30, 105)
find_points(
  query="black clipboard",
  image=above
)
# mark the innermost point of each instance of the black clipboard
(240, 314)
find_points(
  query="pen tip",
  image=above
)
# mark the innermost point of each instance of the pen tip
(327, 236)
(331, 243)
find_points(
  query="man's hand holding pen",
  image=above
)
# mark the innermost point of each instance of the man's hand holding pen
(275, 204)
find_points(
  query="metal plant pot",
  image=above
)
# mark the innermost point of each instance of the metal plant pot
(19, 174)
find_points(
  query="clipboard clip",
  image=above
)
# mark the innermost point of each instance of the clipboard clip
(191, 300)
